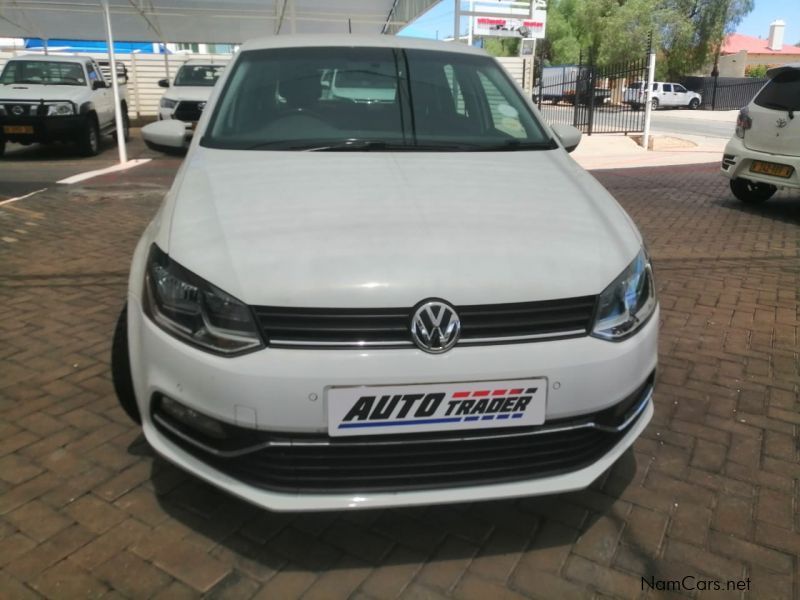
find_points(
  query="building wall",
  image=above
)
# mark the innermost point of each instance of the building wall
(734, 65)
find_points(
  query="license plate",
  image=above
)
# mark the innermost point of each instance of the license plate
(380, 410)
(18, 129)
(774, 169)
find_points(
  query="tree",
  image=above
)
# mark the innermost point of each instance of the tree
(687, 34)
(693, 31)
(501, 46)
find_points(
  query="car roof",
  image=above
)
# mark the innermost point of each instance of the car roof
(207, 62)
(357, 40)
(778, 70)
(52, 57)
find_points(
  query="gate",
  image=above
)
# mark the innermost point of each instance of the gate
(593, 99)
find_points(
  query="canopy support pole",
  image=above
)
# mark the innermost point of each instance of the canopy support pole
(457, 21)
(112, 58)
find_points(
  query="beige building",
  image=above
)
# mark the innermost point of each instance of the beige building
(742, 51)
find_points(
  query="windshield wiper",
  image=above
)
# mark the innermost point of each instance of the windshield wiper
(355, 145)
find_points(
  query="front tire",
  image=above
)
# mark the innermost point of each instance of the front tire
(654, 104)
(694, 103)
(89, 143)
(752, 192)
(121, 368)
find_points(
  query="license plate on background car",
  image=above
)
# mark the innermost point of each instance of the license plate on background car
(18, 129)
(774, 169)
(436, 407)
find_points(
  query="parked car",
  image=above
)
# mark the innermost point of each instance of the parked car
(56, 98)
(665, 95)
(187, 96)
(764, 153)
(352, 304)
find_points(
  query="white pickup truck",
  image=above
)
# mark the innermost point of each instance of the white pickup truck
(51, 98)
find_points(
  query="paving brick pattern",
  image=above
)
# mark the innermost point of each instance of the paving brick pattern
(710, 490)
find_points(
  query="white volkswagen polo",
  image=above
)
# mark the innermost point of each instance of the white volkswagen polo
(409, 295)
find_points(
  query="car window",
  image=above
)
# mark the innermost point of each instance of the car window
(329, 98)
(679, 88)
(505, 118)
(43, 72)
(667, 87)
(93, 74)
(198, 75)
(782, 92)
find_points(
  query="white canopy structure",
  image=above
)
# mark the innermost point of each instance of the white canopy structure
(208, 21)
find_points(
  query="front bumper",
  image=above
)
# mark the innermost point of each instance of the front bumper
(284, 392)
(45, 129)
(737, 159)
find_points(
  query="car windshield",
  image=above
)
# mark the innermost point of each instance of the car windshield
(366, 99)
(198, 75)
(782, 93)
(43, 72)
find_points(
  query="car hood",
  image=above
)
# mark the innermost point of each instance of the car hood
(376, 229)
(189, 92)
(33, 92)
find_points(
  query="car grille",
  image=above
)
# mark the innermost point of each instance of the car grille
(320, 464)
(390, 327)
(189, 111)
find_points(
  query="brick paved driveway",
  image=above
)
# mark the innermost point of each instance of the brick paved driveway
(711, 490)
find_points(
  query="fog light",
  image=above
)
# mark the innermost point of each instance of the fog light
(192, 418)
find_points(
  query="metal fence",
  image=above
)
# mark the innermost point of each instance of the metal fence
(725, 93)
(592, 98)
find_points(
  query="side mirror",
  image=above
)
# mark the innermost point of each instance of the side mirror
(567, 135)
(169, 136)
(163, 83)
(98, 84)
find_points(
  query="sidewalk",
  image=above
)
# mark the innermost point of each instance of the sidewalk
(611, 151)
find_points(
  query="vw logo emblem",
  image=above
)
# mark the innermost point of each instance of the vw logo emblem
(435, 326)
(781, 123)
(17, 110)
(201, 105)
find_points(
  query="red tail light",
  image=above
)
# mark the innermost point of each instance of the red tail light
(743, 122)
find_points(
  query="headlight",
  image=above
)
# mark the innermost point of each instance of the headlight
(60, 109)
(168, 103)
(190, 308)
(626, 304)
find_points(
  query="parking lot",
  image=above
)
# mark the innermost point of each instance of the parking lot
(711, 490)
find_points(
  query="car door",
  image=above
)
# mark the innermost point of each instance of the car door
(103, 98)
(665, 97)
(681, 95)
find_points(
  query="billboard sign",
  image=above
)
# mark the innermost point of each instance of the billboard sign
(509, 27)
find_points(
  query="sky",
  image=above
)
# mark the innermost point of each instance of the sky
(440, 19)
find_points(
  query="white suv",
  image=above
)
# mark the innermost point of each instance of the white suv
(764, 153)
(58, 98)
(337, 308)
(664, 95)
(186, 98)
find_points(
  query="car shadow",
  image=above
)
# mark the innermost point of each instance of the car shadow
(57, 151)
(269, 541)
(784, 206)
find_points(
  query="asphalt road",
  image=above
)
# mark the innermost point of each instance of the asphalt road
(667, 121)
(26, 169)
